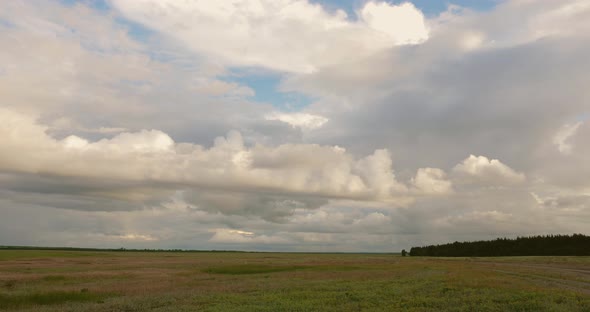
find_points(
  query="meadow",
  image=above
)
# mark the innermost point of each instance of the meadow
(46, 280)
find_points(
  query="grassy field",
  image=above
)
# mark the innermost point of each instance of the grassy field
(32, 280)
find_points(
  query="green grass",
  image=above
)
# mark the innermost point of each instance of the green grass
(261, 269)
(395, 296)
(9, 302)
(251, 269)
(53, 278)
(171, 282)
(6, 255)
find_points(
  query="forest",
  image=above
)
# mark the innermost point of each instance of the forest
(542, 245)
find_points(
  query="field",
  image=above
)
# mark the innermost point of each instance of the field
(35, 280)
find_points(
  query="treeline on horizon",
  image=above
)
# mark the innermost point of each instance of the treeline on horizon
(542, 245)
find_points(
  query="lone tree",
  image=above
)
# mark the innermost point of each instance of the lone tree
(404, 252)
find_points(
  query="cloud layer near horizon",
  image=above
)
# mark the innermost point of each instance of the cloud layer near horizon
(465, 125)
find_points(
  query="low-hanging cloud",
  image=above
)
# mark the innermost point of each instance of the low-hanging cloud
(152, 157)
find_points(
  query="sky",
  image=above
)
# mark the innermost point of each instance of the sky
(292, 125)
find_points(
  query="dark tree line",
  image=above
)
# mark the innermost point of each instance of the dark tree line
(549, 245)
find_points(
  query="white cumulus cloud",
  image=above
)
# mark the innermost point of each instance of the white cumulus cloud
(480, 169)
(285, 35)
(403, 23)
(299, 120)
(239, 178)
(432, 181)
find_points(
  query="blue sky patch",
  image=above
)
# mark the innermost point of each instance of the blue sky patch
(100, 5)
(135, 30)
(435, 7)
(428, 7)
(266, 85)
(6, 24)
(583, 117)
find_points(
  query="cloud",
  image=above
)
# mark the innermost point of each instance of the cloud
(66, 124)
(151, 157)
(299, 120)
(562, 136)
(285, 35)
(564, 173)
(241, 237)
(90, 73)
(376, 171)
(214, 87)
(145, 141)
(477, 217)
(131, 237)
(404, 23)
(110, 132)
(432, 181)
(486, 171)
